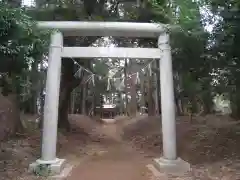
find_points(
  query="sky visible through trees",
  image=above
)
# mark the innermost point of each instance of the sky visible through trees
(28, 2)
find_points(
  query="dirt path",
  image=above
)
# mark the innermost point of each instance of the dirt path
(209, 143)
(117, 161)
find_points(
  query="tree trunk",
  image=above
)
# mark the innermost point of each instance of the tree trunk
(18, 127)
(156, 102)
(120, 103)
(63, 111)
(178, 93)
(41, 95)
(156, 92)
(68, 81)
(133, 104)
(158, 89)
(34, 88)
(94, 102)
(151, 111)
(133, 92)
(178, 104)
(142, 102)
(65, 93)
(235, 102)
(207, 100)
(73, 102)
(84, 94)
(126, 87)
(101, 105)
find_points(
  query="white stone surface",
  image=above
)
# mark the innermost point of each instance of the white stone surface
(50, 120)
(173, 167)
(124, 29)
(111, 52)
(167, 99)
(66, 171)
(55, 167)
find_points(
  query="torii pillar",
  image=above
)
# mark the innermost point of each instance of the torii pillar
(48, 160)
(170, 162)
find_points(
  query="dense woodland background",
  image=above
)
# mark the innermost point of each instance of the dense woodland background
(204, 42)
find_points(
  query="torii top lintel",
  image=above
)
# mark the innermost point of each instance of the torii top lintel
(121, 29)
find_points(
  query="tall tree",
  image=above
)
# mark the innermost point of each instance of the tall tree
(224, 48)
(21, 43)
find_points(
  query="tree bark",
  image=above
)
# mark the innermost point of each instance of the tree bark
(133, 104)
(158, 86)
(133, 93)
(68, 81)
(151, 111)
(126, 87)
(41, 95)
(94, 103)
(84, 94)
(235, 101)
(73, 102)
(66, 86)
(156, 92)
(34, 88)
(142, 102)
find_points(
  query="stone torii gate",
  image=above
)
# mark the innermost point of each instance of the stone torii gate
(170, 160)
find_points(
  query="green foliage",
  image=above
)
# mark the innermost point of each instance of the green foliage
(196, 53)
(21, 45)
(20, 40)
(189, 48)
(226, 38)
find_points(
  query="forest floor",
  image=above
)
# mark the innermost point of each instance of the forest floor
(123, 150)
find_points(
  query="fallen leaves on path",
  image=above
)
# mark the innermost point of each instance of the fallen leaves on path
(212, 150)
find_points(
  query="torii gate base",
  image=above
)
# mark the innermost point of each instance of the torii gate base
(169, 163)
